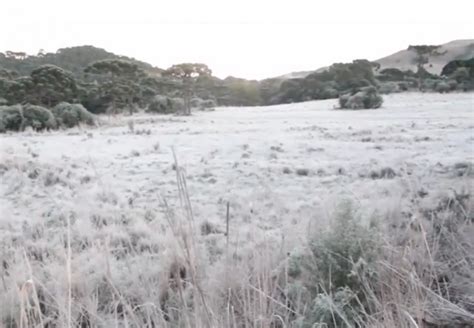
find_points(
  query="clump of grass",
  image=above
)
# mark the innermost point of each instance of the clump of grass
(383, 173)
(302, 172)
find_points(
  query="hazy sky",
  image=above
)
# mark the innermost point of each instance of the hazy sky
(244, 38)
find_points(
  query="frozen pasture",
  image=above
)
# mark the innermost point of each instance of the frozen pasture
(281, 168)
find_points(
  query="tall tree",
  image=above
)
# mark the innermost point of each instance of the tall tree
(118, 83)
(53, 85)
(187, 73)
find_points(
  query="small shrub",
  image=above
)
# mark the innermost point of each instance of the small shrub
(302, 172)
(203, 104)
(70, 115)
(366, 98)
(384, 173)
(208, 228)
(17, 118)
(177, 104)
(37, 117)
(165, 105)
(442, 87)
(335, 270)
(389, 87)
(11, 118)
(160, 104)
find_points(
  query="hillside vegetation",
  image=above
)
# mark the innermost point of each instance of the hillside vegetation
(103, 82)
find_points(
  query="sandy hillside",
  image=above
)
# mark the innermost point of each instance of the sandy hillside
(405, 59)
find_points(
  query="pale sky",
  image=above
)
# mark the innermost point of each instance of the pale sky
(243, 38)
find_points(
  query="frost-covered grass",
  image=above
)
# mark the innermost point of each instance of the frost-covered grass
(100, 227)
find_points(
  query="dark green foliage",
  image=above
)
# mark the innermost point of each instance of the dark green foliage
(114, 67)
(269, 89)
(116, 86)
(8, 74)
(442, 87)
(20, 90)
(48, 85)
(69, 115)
(52, 85)
(73, 59)
(395, 75)
(452, 66)
(337, 79)
(365, 98)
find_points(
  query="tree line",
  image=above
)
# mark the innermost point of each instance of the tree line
(103, 82)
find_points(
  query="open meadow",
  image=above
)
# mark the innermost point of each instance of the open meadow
(125, 224)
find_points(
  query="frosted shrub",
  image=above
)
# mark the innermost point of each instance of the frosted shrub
(37, 117)
(11, 118)
(70, 115)
(336, 269)
(366, 98)
(165, 105)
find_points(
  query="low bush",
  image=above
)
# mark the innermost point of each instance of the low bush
(389, 87)
(17, 118)
(69, 115)
(11, 118)
(37, 117)
(442, 87)
(165, 105)
(366, 98)
(203, 104)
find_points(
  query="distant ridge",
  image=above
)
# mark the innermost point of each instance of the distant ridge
(406, 59)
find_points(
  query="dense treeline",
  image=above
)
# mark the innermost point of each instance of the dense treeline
(102, 82)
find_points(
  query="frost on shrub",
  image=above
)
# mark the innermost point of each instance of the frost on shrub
(37, 117)
(165, 105)
(11, 118)
(203, 104)
(177, 104)
(340, 262)
(17, 118)
(70, 115)
(366, 98)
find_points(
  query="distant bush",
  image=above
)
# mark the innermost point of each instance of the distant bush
(203, 104)
(11, 118)
(70, 115)
(389, 87)
(367, 98)
(17, 118)
(442, 87)
(165, 105)
(39, 118)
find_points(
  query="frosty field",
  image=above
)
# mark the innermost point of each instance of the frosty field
(282, 169)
